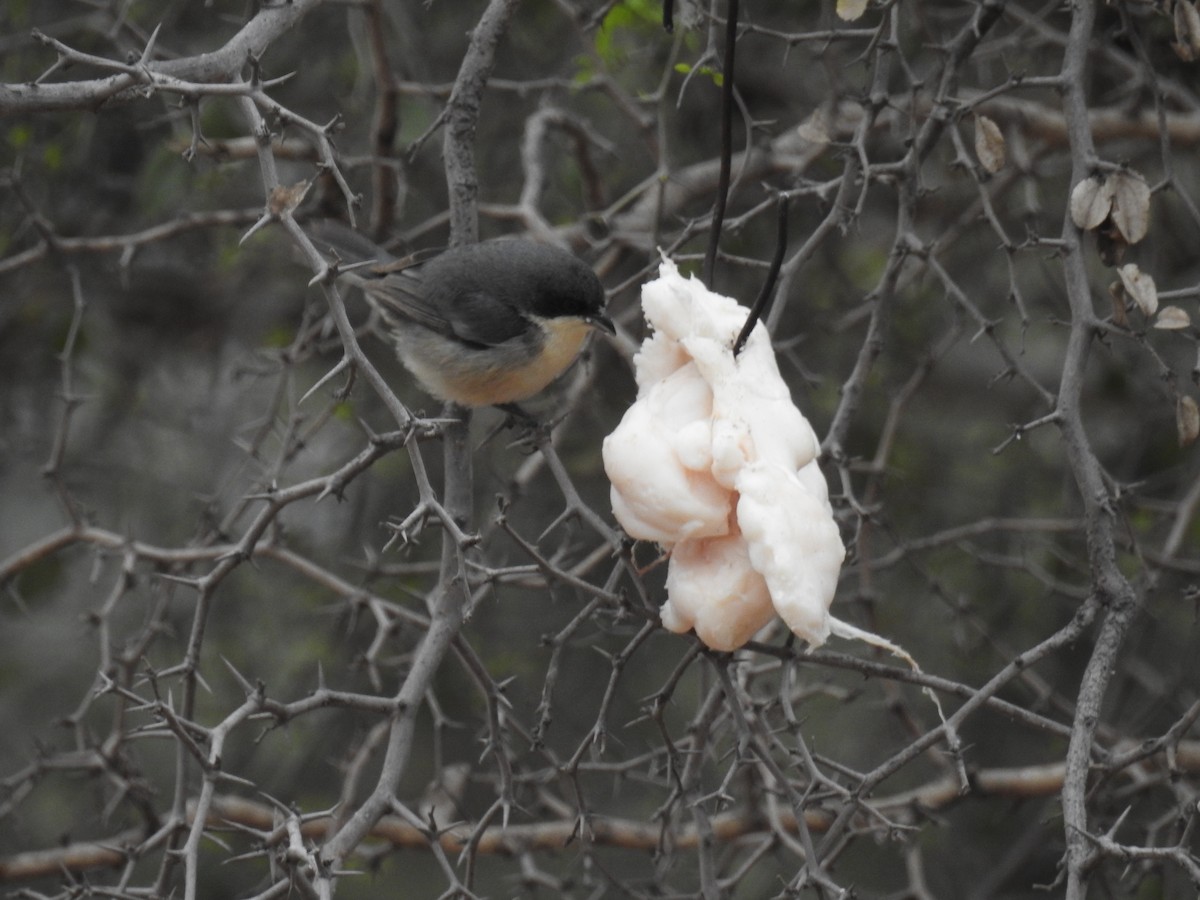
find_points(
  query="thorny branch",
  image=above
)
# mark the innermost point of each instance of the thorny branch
(205, 542)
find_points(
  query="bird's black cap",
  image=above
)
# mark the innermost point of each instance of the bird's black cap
(540, 279)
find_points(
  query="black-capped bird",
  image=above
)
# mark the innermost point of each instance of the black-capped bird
(488, 324)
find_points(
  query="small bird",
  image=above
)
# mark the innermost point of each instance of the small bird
(488, 324)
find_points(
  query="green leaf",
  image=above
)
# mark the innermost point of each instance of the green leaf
(628, 16)
(19, 136)
(52, 157)
(718, 77)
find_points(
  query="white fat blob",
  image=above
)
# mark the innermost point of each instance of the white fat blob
(714, 462)
(658, 461)
(713, 588)
(793, 542)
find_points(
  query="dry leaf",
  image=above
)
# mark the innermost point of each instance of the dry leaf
(1172, 318)
(1187, 420)
(989, 144)
(1187, 30)
(1116, 290)
(287, 197)
(849, 10)
(1091, 201)
(1140, 286)
(1130, 204)
(815, 129)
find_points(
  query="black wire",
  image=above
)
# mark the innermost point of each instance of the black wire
(714, 238)
(762, 303)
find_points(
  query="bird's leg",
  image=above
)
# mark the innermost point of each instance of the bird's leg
(532, 431)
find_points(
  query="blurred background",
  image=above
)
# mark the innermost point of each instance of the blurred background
(154, 369)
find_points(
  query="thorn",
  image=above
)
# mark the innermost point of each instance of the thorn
(148, 53)
(241, 679)
(328, 376)
(256, 227)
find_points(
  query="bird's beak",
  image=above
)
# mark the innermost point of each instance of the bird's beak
(603, 322)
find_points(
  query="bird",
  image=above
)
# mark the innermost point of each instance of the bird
(486, 324)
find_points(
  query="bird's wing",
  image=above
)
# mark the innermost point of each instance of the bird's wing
(478, 318)
(401, 295)
(484, 319)
(460, 307)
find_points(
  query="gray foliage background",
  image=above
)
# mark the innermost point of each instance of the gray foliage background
(244, 649)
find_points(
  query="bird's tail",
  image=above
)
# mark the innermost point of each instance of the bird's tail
(335, 239)
(338, 241)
